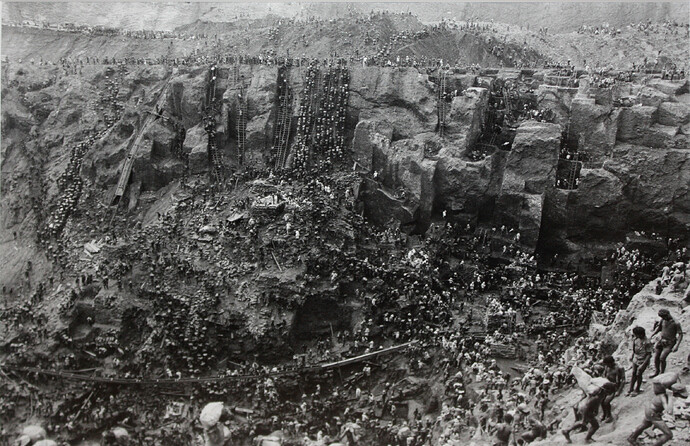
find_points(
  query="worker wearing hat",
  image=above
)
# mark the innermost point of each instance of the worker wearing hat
(671, 337)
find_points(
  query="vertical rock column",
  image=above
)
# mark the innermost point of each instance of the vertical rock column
(530, 170)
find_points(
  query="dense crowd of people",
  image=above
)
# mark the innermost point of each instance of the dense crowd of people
(222, 278)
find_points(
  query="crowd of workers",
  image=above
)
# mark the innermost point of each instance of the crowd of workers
(192, 263)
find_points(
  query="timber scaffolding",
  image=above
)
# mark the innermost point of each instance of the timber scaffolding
(135, 142)
(442, 102)
(217, 168)
(281, 134)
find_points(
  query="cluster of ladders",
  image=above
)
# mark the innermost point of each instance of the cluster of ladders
(134, 143)
(442, 103)
(306, 119)
(328, 135)
(241, 123)
(281, 135)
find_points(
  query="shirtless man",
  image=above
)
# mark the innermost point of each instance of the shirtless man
(504, 430)
(671, 337)
(653, 412)
(588, 410)
(615, 374)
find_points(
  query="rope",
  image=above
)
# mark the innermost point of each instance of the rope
(210, 379)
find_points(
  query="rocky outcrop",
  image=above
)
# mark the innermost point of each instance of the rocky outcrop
(656, 184)
(530, 169)
(392, 125)
(464, 120)
(594, 126)
(464, 186)
(675, 114)
(196, 147)
(371, 138)
(531, 164)
(671, 88)
(634, 123)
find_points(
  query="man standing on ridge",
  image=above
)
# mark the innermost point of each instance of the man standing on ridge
(671, 337)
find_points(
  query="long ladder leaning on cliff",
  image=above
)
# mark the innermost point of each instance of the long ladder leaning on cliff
(216, 160)
(241, 123)
(235, 74)
(572, 175)
(442, 102)
(133, 146)
(282, 132)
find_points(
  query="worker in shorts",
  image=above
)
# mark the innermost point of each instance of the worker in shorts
(653, 412)
(615, 374)
(587, 412)
(671, 337)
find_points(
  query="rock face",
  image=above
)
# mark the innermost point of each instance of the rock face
(371, 138)
(656, 184)
(392, 129)
(595, 126)
(465, 119)
(530, 169)
(196, 147)
(634, 123)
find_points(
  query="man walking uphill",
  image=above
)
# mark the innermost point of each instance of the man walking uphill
(615, 374)
(671, 337)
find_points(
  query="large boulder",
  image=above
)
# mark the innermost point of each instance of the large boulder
(464, 120)
(634, 122)
(595, 126)
(674, 114)
(196, 146)
(371, 138)
(532, 162)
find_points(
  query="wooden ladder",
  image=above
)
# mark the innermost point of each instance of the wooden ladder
(442, 103)
(241, 125)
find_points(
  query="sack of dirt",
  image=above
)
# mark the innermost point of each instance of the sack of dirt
(583, 378)
(210, 414)
(34, 433)
(664, 381)
(598, 384)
